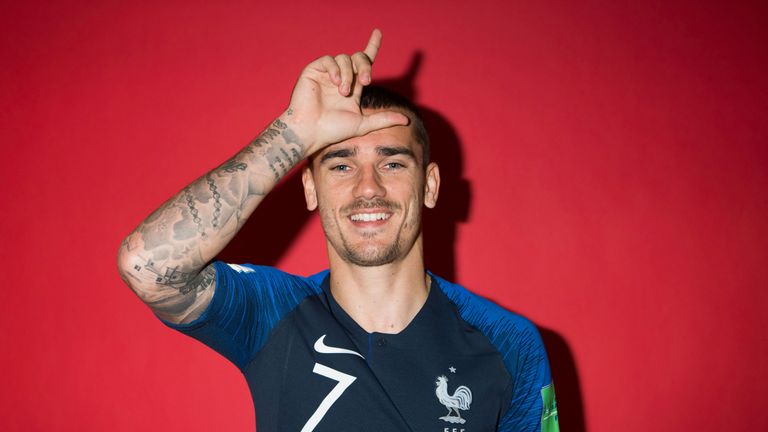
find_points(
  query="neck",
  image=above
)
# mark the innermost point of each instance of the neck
(381, 299)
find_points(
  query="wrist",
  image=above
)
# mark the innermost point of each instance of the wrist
(300, 131)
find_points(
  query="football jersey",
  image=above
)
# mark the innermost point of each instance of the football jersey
(463, 364)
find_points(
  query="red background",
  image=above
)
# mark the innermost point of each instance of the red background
(605, 174)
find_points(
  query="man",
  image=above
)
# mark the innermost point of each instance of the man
(374, 344)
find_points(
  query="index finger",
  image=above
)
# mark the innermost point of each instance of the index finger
(374, 43)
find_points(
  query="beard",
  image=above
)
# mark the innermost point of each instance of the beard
(369, 253)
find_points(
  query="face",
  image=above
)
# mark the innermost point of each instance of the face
(369, 191)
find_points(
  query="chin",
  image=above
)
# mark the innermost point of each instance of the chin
(371, 256)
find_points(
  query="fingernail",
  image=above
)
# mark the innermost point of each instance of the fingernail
(345, 88)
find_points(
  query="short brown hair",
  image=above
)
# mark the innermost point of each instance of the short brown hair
(377, 97)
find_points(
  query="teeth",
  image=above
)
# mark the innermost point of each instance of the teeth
(368, 217)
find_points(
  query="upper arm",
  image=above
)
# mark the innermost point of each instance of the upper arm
(189, 300)
(533, 406)
(248, 303)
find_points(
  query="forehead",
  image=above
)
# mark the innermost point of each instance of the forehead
(395, 136)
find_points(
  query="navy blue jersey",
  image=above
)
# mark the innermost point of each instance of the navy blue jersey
(463, 364)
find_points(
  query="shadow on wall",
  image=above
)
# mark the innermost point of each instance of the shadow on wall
(272, 229)
(570, 407)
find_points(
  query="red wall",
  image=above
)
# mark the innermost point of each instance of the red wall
(606, 174)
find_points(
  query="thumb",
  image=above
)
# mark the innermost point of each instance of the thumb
(381, 120)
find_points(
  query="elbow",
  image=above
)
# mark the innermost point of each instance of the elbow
(125, 263)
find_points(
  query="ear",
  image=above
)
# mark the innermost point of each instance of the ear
(431, 185)
(310, 195)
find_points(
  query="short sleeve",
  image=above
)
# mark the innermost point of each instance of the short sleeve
(247, 303)
(533, 407)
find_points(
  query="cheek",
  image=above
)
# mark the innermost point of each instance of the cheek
(327, 212)
(327, 222)
(417, 196)
(324, 199)
(413, 209)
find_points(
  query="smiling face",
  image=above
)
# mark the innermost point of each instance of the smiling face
(369, 191)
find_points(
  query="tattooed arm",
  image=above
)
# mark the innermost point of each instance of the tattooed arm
(166, 259)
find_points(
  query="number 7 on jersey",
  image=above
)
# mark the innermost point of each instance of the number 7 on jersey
(343, 380)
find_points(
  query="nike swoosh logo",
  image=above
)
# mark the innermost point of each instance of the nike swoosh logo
(322, 348)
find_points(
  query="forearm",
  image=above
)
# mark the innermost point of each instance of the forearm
(164, 257)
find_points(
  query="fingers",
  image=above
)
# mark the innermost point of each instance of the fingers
(374, 43)
(362, 65)
(381, 120)
(355, 70)
(347, 73)
(363, 60)
(329, 65)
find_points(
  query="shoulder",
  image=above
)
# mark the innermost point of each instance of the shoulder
(248, 303)
(265, 278)
(265, 294)
(513, 335)
(521, 348)
(481, 312)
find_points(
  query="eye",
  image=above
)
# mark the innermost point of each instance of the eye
(394, 165)
(340, 167)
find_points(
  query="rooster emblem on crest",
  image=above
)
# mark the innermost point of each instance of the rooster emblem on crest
(459, 400)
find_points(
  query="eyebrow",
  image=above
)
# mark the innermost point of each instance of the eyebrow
(381, 150)
(341, 153)
(392, 151)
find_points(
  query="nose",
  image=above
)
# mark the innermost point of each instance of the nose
(369, 184)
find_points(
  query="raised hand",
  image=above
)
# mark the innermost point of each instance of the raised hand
(325, 104)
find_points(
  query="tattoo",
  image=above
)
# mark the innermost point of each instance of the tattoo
(125, 244)
(263, 147)
(183, 229)
(291, 157)
(280, 162)
(262, 140)
(270, 133)
(216, 202)
(200, 282)
(172, 277)
(290, 111)
(296, 156)
(274, 171)
(193, 210)
(279, 124)
(257, 142)
(232, 165)
(290, 137)
(153, 231)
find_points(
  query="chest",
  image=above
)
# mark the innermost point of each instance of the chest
(316, 375)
